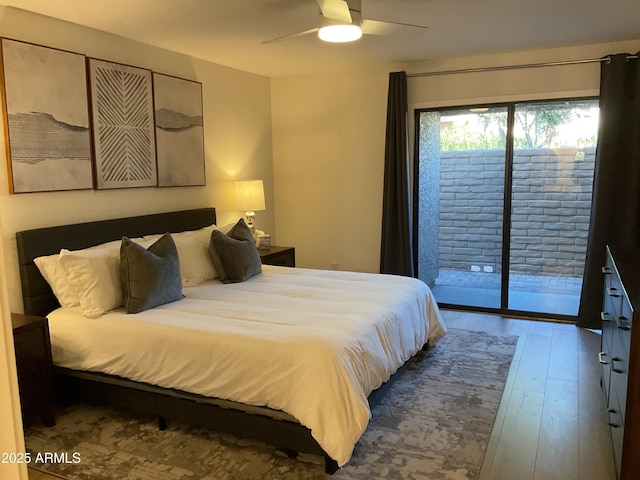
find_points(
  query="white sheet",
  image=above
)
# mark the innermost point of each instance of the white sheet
(312, 343)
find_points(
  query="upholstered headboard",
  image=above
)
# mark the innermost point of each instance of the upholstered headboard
(37, 295)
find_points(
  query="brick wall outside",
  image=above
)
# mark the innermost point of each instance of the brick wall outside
(550, 210)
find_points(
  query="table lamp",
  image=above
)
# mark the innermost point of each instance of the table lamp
(249, 196)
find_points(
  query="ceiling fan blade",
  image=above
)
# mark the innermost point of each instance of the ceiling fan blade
(384, 27)
(291, 35)
(335, 10)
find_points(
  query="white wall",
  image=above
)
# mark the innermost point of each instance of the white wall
(328, 143)
(237, 130)
(328, 140)
(517, 84)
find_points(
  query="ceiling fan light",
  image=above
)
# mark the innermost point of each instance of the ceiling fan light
(340, 33)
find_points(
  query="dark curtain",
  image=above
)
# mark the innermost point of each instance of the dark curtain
(396, 251)
(615, 208)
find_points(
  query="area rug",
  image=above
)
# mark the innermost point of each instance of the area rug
(434, 423)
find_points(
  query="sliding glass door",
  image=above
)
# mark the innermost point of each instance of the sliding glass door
(503, 197)
(553, 163)
(461, 194)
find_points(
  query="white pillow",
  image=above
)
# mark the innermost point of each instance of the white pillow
(94, 274)
(196, 265)
(226, 228)
(56, 277)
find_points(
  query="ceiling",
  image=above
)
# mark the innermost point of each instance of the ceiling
(231, 32)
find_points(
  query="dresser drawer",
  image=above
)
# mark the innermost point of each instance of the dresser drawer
(606, 349)
(609, 272)
(619, 372)
(614, 293)
(616, 427)
(623, 323)
(608, 316)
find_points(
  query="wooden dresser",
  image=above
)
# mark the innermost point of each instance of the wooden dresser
(620, 358)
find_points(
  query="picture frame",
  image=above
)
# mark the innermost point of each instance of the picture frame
(179, 131)
(123, 125)
(46, 117)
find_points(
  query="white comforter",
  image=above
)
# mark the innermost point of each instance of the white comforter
(311, 343)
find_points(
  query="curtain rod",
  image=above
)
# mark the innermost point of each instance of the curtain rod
(513, 67)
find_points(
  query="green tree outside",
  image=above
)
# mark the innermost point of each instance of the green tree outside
(535, 128)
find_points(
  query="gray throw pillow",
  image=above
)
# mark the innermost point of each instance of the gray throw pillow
(150, 277)
(235, 255)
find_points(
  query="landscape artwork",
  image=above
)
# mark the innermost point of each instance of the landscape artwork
(124, 134)
(47, 118)
(179, 131)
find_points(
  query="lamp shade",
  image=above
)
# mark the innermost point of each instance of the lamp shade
(249, 195)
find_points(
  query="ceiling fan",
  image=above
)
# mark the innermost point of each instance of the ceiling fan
(341, 21)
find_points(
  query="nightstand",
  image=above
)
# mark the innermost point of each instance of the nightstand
(280, 256)
(35, 367)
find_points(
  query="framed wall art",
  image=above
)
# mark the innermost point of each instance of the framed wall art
(47, 118)
(123, 128)
(179, 131)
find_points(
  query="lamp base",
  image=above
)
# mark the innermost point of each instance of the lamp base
(249, 216)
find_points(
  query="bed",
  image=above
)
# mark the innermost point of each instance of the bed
(314, 349)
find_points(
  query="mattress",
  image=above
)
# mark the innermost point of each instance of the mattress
(311, 343)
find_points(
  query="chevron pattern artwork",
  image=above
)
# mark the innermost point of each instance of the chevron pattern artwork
(123, 122)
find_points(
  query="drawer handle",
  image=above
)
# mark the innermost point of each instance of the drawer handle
(613, 367)
(607, 270)
(612, 424)
(601, 359)
(623, 322)
(613, 292)
(604, 316)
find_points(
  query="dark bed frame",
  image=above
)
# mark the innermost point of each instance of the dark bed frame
(274, 427)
